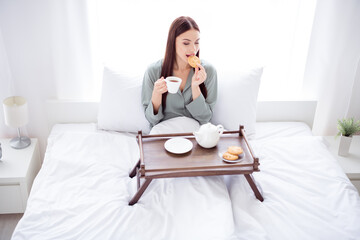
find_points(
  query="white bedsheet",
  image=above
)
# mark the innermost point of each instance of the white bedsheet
(83, 189)
(307, 195)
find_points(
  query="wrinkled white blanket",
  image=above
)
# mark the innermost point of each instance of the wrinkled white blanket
(83, 189)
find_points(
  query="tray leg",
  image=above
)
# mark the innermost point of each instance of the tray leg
(140, 191)
(138, 178)
(133, 172)
(253, 187)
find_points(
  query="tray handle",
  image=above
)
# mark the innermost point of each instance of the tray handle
(142, 165)
(256, 159)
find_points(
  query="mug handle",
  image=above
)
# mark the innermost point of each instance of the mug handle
(220, 129)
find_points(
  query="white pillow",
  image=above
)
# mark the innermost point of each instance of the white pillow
(237, 98)
(120, 107)
(176, 125)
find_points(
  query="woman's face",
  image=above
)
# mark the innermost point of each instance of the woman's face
(187, 44)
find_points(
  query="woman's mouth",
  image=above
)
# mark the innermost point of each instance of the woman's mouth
(188, 55)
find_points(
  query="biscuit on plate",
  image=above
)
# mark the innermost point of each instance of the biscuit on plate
(193, 61)
(235, 150)
(229, 156)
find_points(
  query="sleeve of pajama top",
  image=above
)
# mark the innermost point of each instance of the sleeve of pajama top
(151, 75)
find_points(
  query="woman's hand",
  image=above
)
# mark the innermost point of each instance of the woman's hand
(160, 86)
(199, 76)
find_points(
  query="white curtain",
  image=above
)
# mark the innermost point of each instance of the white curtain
(72, 52)
(333, 67)
(45, 52)
(234, 33)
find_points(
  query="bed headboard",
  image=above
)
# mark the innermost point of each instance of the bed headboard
(286, 111)
(62, 111)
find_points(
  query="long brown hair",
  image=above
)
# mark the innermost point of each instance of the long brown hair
(178, 26)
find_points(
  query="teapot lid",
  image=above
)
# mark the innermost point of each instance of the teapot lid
(208, 126)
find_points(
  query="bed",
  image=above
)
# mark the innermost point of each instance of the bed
(83, 188)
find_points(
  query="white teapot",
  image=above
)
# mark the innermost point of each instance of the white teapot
(208, 135)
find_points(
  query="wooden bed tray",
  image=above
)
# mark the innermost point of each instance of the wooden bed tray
(156, 162)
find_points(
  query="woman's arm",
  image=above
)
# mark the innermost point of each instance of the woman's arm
(200, 108)
(151, 96)
(160, 87)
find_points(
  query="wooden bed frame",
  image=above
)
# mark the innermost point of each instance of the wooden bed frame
(62, 111)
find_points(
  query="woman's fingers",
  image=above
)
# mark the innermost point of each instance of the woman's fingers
(197, 73)
(201, 76)
(201, 67)
(160, 85)
(160, 82)
(163, 89)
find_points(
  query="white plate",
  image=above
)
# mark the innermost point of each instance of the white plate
(178, 145)
(241, 156)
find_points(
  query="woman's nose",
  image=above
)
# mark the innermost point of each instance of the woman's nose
(195, 48)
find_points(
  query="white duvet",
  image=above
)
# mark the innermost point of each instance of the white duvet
(83, 189)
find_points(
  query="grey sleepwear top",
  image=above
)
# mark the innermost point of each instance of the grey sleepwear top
(180, 103)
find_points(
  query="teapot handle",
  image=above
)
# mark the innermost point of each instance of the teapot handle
(220, 129)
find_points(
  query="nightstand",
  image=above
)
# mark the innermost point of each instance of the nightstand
(351, 163)
(18, 168)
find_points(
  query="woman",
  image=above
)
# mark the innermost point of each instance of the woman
(198, 90)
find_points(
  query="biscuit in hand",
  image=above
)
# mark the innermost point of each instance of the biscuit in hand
(229, 156)
(235, 150)
(193, 61)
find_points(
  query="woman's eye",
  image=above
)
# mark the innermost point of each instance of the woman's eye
(186, 44)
